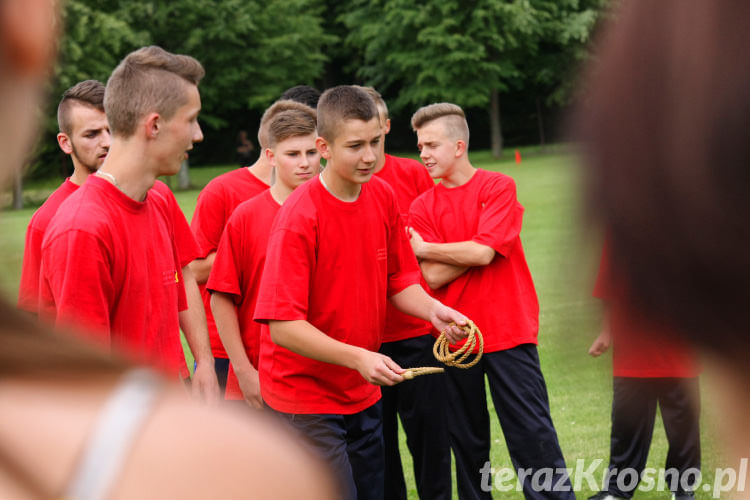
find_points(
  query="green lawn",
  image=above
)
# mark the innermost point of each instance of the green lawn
(560, 262)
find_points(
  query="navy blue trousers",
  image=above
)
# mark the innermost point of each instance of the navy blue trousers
(633, 416)
(519, 394)
(351, 444)
(420, 403)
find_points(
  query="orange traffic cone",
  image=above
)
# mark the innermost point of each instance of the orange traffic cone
(518, 157)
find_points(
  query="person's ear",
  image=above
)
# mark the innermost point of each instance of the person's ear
(152, 124)
(387, 126)
(460, 148)
(28, 31)
(323, 147)
(63, 140)
(270, 157)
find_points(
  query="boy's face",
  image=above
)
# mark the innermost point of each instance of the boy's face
(88, 141)
(352, 156)
(437, 149)
(180, 132)
(296, 160)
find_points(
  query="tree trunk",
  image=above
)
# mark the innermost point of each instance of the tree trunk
(18, 190)
(183, 176)
(539, 120)
(495, 129)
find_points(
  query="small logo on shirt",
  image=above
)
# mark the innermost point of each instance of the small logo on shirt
(381, 254)
(170, 277)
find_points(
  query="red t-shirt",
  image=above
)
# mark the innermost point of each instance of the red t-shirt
(216, 202)
(187, 248)
(499, 297)
(110, 270)
(409, 179)
(333, 264)
(640, 348)
(28, 290)
(238, 268)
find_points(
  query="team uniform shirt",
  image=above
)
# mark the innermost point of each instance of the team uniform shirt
(639, 347)
(499, 297)
(110, 269)
(28, 290)
(238, 268)
(334, 264)
(216, 203)
(409, 179)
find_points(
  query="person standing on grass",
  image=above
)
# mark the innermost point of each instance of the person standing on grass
(84, 136)
(465, 234)
(651, 369)
(238, 266)
(215, 205)
(110, 266)
(408, 341)
(337, 252)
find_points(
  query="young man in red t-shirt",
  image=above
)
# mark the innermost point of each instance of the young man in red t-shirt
(84, 135)
(336, 253)
(650, 369)
(216, 202)
(109, 262)
(238, 266)
(465, 233)
(408, 341)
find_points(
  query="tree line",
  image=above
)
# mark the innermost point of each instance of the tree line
(509, 63)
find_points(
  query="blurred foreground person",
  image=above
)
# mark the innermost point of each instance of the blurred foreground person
(664, 128)
(79, 424)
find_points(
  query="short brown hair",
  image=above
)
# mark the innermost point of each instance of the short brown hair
(86, 93)
(379, 102)
(345, 102)
(455, 123)
(149, 79)
(295, 119)
(280, 106)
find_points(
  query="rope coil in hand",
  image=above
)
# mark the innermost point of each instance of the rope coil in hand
(441, 351)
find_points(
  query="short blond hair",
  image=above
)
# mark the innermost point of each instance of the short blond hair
(453, 117)
(287, 119)
(379, 102)
(148, 80)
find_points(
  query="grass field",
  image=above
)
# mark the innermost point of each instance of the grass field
(579, 387)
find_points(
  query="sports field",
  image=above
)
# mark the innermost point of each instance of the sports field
(560, 262)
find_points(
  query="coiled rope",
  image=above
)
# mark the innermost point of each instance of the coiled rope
(441, 351)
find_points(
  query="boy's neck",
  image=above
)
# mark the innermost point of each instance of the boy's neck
(340, 188)
(128, 169)
(280, 192)
(462, 173)
(262, 169)
(80, 174)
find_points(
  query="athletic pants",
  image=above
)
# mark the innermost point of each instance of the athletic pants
(420, 405)
(633, 415)
(519, 394)
(351, 444)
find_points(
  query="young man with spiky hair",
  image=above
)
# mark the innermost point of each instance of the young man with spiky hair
(337, 252)
(216, 202)
(84, 135)
(408, 341)
(109, 266)
(238, 266)
(465, 232)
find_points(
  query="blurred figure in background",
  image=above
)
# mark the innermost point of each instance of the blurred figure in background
(664, 128)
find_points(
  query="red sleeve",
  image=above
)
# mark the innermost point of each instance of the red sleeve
(501, 217)
(225, 275)
(285, 285)
(208, 222)
(77, 257)
(187, 248)
(28, 290)
(403, 269)
(421, 221)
